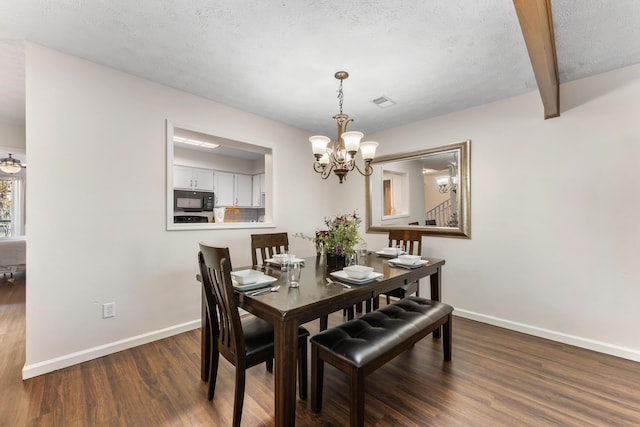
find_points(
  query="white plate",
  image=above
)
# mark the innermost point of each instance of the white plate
(274, 262)
(345, 278)
(245, 277)
(397, 262)
(389, 254)
(262, 282)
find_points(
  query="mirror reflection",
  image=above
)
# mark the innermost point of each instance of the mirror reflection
(428, 189)
(215, 182)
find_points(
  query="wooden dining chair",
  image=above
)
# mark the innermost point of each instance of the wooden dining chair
(244, 342)
(412, 242)
(266, 245)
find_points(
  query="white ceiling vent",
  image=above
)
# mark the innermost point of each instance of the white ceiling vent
(383, 102)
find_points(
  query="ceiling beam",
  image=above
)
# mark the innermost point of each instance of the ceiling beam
(537, 29)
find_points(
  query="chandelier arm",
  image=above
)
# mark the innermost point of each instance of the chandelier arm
(368, 169)
(318, 167)
(327, 171)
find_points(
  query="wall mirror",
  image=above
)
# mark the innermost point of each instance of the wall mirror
(215, 182)
(427, 190)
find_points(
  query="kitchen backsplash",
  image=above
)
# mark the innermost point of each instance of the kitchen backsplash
(244, 215)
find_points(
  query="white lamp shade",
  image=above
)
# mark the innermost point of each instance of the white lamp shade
(442, 180)
(319, 144)
(10, 168)
(352, 140)
(324, 160)
(368, 149)
(10, 165)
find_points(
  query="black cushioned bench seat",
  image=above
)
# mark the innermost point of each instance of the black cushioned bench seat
(360, 346)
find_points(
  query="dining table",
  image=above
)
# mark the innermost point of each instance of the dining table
(314, 298)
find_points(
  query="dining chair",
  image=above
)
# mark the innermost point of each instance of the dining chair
(244, 342)
(412, 242)
(267, 245)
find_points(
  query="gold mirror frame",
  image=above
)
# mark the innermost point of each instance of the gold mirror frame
(463, 228)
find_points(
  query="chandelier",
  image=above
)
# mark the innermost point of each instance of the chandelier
(10, 165)
(340, 155)
(446, 183)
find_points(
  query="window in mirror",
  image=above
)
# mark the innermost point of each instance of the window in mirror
(428, 189)
(395, 189)
(216, 182)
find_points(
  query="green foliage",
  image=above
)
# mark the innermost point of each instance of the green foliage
(340, 236)
(5, 198)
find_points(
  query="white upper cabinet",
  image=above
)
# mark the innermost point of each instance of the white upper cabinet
(243, 190)
(188, 178)
(232, 189)
(224, 188)
(258, 191)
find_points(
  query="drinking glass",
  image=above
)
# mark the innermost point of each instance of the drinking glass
(361, 252)
(293, 274)
(286, 261)
(351, 258)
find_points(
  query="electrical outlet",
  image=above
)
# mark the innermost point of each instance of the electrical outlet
(108, 310)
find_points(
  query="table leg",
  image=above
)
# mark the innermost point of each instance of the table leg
(436, 285)
(286, 351)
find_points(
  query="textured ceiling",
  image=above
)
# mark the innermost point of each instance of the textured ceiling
(277, 58)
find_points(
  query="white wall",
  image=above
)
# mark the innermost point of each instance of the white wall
(555, 237)
(96, 202)
(206, 160)
(12, 137)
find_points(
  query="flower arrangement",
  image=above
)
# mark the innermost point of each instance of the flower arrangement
(340, 236)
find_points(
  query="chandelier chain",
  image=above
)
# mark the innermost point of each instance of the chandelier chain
(340, 97)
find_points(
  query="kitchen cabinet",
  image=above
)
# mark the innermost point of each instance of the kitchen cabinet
(243, 190)
(232, 189)
(188, 178)
(224, 188)
(258, 191)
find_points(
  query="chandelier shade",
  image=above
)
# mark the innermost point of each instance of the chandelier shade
(10, 165)
(446, 183)
(340, 155)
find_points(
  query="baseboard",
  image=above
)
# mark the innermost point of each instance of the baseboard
(33, 370)
(601, 347)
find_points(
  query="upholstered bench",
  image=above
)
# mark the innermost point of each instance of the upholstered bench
(360, 346)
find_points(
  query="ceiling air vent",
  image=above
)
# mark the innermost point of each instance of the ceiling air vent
(383, 102)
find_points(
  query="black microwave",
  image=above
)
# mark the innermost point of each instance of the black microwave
(193, 201)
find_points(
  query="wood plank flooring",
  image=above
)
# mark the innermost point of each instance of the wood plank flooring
(497, 378)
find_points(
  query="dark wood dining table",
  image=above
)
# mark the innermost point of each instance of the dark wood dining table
(314, 298)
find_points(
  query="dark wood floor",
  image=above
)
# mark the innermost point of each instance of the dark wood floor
(497, 378)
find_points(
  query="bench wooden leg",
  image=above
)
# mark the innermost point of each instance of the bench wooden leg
(356, 398)
(447, 335)
(317, 374)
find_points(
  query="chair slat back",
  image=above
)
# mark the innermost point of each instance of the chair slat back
(410, 239)
(215, 269)
(267, 245)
